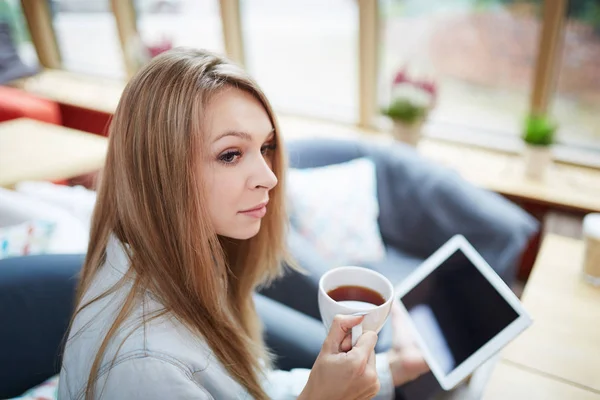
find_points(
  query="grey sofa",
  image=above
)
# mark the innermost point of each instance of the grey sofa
(422, 205)
(36, 302)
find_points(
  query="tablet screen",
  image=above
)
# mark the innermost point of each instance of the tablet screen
(457, 310)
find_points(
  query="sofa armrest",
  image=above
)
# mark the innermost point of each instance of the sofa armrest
(294, 337)
(314, 153)
(299, 289)
(36, 302)
(423, 204)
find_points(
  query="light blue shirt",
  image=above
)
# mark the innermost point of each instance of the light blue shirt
(160, 359)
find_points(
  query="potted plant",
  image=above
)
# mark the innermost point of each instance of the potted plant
(411, 101)
(538, 137)
(142, 52)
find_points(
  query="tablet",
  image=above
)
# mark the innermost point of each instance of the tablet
(460, 311)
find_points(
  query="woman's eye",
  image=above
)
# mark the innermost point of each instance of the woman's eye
(268, 148)
(230, 157)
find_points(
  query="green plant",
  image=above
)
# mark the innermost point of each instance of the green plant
(539, 130)
(404, 110)
(411, 99)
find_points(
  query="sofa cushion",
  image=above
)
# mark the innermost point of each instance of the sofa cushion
(71, 234)
(396, 265)
(47, 390)
(336, 209)
(77, 200)
(27, 238)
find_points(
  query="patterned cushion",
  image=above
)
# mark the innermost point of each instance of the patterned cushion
(32, 237)
(45, 391)
(335, 208)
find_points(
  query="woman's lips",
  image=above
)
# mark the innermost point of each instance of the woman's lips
(256, 212)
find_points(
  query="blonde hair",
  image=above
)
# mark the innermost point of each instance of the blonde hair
(151, 197)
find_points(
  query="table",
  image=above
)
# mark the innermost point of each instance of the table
(34, 150)
(558, 357)
(514, 382)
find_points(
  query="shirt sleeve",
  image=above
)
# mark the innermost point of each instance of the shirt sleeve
(287, 385)
(149, 378)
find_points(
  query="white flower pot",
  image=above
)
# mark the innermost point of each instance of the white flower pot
(407, 133)
(537, 161)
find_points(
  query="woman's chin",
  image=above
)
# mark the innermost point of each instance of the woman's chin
(243, 233)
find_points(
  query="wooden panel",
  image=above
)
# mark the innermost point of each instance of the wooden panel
(514, 383)
(368, 54)
(124, 12)
(232, 30)
(549, 52)
(41, 30)
(564, 339)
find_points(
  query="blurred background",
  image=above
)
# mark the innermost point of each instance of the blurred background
(496, 102)
(307, 54)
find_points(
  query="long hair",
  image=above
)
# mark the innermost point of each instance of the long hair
(152, 198)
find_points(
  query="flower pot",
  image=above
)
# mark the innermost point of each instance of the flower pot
(537, 161)
(407, 133)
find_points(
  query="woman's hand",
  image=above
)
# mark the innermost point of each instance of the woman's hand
(342, 371)
(406, 360)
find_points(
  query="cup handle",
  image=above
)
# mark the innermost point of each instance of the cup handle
(357, 331)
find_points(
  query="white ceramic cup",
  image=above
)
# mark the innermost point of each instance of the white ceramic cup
(591, 260)
(375, 316)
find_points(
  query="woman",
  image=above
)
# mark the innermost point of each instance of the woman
(189, 220)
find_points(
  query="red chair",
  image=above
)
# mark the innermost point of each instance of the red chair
(16, 103)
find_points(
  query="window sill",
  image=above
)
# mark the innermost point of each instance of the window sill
(569, 187)
(567, 154)
(490, 161)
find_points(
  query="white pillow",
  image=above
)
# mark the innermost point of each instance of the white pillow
(335, 208)
(77, 200)
(27, 238)
(70, 234)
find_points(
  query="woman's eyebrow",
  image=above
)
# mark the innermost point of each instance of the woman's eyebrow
(242, 135)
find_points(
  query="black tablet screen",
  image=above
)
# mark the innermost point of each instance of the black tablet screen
(457, 310)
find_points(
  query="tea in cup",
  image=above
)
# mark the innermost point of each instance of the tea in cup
(356, 291)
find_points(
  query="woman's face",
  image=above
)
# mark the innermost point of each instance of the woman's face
(238, 174)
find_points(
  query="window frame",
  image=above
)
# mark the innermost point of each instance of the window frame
(543, 85)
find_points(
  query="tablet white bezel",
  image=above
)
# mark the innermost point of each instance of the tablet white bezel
(458, 374)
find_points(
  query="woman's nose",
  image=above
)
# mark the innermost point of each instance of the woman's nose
(264, 176)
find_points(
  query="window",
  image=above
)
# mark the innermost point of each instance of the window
(11, 14)
(304, 54)
(182, 23)
(577, 101)
(87, 37)
(481, 53)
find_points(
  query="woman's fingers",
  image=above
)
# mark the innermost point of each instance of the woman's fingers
(346, 345)
(341, 326)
